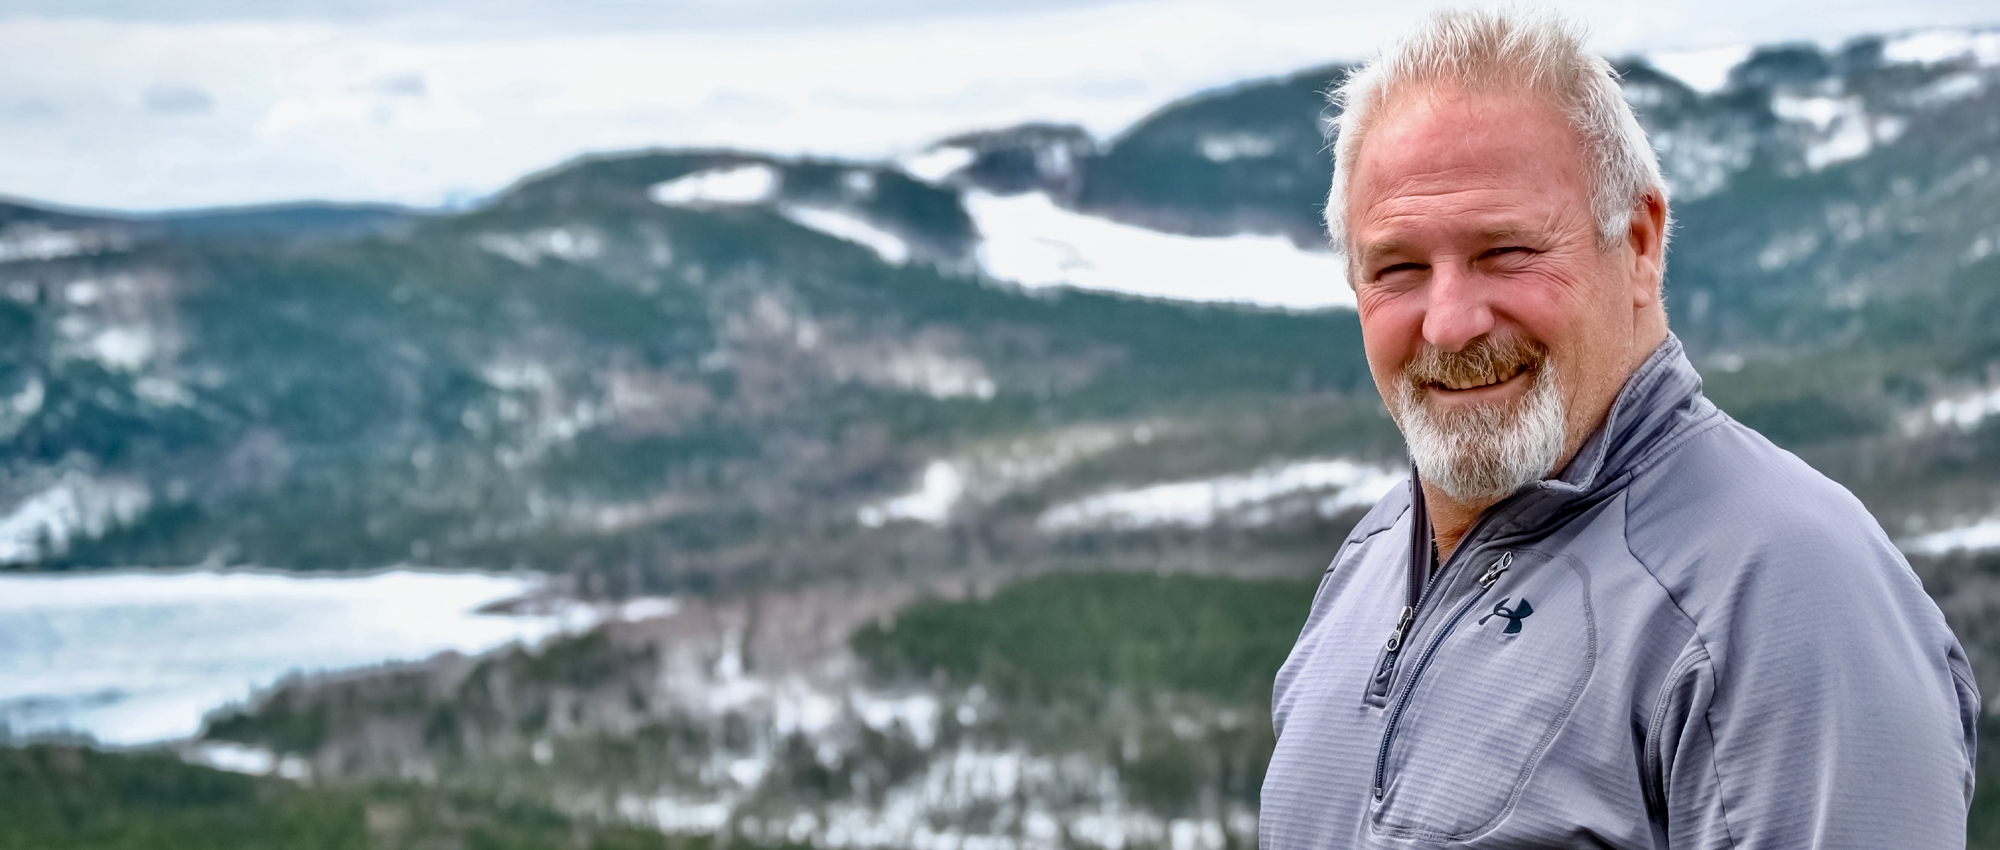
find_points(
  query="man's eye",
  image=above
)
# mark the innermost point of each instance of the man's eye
(1399, 270)
(1509, 253)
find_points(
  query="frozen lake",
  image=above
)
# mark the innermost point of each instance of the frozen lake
(133, 658)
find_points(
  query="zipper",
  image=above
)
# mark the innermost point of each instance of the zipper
(1421, 581)
(1492, 574)
(1417, 590)
(1485, 582)
(1385, 662)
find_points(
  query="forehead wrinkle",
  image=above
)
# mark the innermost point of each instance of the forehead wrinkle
(1437, 177)
(1482, 222)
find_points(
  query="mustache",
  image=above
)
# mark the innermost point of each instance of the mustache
(1485, 360)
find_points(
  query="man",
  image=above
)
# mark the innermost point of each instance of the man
(1604, 614)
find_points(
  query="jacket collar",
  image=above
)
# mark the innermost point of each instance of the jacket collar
(1660, 406)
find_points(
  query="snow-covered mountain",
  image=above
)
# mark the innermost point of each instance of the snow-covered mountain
(839, 386)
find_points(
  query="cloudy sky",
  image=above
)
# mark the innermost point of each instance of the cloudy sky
(120, 104)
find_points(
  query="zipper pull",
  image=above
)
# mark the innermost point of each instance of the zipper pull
(1385, 664)
(1493, 573)
(1402, 623)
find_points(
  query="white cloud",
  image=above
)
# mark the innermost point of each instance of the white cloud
(419, 106)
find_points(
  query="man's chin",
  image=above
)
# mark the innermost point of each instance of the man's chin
(1483, 452)
(1461, 418)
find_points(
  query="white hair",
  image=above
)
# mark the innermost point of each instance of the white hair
(1493, 51)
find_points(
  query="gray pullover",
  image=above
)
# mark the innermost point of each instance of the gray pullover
(1689, 640)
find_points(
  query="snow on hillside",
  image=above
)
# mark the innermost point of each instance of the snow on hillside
(1976, 537)
(1029, 240)
(76, 505)
(1705, 70)
(1249, 499)
(1945, 45)
(843, 225)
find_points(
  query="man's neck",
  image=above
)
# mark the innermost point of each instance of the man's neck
(1450, 519)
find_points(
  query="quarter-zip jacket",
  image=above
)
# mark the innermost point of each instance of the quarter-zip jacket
(1688, 640)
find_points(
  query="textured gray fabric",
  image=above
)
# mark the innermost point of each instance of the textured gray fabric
(1725, 650)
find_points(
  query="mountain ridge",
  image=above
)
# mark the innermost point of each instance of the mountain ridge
(620, 337)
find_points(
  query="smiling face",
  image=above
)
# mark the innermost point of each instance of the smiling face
(1498, 327)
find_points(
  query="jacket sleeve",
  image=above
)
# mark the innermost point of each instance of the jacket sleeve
(1819, 714)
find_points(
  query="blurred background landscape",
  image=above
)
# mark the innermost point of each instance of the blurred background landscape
(890, 425)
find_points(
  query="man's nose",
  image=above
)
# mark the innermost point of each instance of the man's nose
(1457, 311)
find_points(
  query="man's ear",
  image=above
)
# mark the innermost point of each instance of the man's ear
(1646, 236)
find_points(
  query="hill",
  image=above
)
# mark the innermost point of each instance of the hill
(838, 411)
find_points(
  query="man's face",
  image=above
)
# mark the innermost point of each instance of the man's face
(1497, 327)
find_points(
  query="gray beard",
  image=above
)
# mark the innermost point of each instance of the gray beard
(1484, 454)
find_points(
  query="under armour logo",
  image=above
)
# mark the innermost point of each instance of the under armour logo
(1514, 615)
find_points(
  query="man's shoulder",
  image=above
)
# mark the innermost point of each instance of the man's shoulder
(1383, 515)
(1730, 488)
(1734, 527)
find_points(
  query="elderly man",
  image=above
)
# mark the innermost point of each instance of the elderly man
(1604, 614)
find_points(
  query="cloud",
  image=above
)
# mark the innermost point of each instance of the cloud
(414, 103)
(406, 84)
(177, 100)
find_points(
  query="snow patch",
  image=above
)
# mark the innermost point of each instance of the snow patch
(122, 348)
(238, 758)
(1977, 537)
(945, 807)
(1787, 249)
(938, 375)
(518, 375)
(162, 391)
(676, 815)
(758, 184)
(930, 503)
(1706, 70)
(1234, 146)
(1983, 246)
(529, 248)
(1843, 128)
(18, 409)
(745, 184)
(916, 713)
(1967, 411)
(1936, 46)
(1948, 89)
(76, 506)
(133, 658)
(844, 225)
(1343, 485)
(1030, 240)
(83, 293)
(1821, 112)
(997, 469)
(936, 164)
(648, 608)
(35, 242)
(1698, 161)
